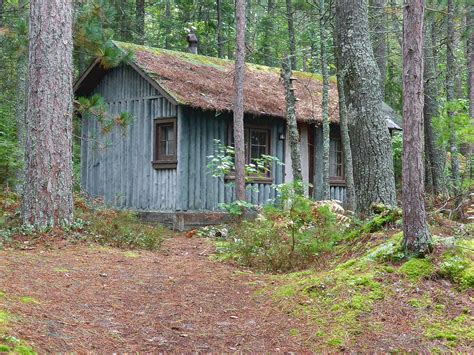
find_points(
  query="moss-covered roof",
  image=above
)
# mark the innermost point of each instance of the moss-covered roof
(207, 83)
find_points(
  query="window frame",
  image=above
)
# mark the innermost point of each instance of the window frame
(158, 161)
(268, 179)
(338, 180)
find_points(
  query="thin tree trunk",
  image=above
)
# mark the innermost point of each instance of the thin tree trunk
(370, 140)
(379, 43)
(395, 22)
(140, 20)
(291, 124)
(47, 194)
(1, 12)
(291, 33)
(450, 75)
(433, 155)
(416, 239)
(324, 102)
(239, 100)
(268, 33)
(167, 23)
(470, 59)
(220, 40)
(20, 113)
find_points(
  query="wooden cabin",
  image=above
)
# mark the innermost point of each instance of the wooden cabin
(180, 104)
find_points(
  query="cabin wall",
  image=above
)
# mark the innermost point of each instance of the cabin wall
(336, 192)
(197, 131)
(117, 165)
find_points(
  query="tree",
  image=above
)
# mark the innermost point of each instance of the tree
(47, 194)
(416, 238)
(239, 77)
(379, 43)
(220, 40)
(433, 155)
(140, 21)
(370, 140)
(291, 33)
(324, 102)
(291, 123)
(450, 75)
(470, 58)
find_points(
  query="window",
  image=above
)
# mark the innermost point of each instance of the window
(336, 166)
(257, 143)
(164, 155)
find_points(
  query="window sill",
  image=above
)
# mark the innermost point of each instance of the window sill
(163, 164)
(337, 182)
(253, 180)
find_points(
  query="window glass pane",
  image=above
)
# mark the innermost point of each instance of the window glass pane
(166, 143)
(335, 158)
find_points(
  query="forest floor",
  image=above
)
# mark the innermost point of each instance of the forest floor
(82, 298)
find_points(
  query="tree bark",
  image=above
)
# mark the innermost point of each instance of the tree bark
(140, 20)
(379, 42)
(450, 76)
(291, 33)
(433, 155)
(20, 113)
(370, 140)
(47, 194)
(239, 100)
(268, 33)
(324, 102)
(416, 238)
(470, 59)
(220, 40)
(167, 23)
(291, 124)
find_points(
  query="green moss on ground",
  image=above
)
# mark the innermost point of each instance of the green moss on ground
(457, 264)
(460, 328)
(29, 300)
(417, 269)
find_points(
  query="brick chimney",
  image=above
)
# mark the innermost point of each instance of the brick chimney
(192, 42)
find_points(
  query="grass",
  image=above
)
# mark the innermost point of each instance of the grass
(29, 300)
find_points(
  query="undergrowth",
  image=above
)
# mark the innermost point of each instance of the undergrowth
(93, 222)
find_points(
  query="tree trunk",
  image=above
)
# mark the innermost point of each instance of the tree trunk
(1, 12)
(370, 140)
(291, 124)
(379, 42)
(416, 238)
(239, 100)
(324, 102)
(470, 59)
(167, 23)
(20, 113)
(433, 155)
(268, 34)
(140, 20)
(47, 194)
(291, 33)
(220, 40)
(450, 75)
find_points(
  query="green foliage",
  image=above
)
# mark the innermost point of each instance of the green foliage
(284, 237)
(123, 230)
(416, 269)
(221, 163)
(376, 223)
(236, 208)
(457, 264)
(397, 151)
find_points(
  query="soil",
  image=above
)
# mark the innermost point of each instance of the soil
(88, 298)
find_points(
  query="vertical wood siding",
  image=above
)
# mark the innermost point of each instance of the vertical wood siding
(117, 166)
(201, 191)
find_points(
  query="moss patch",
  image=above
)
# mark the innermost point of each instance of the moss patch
(455, 330)
(29, 300)
(457, 264)
(416, 269)
(131, 254)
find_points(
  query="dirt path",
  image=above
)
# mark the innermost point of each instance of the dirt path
(107, 300)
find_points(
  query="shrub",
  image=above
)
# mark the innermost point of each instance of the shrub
(286, 236)
(122, 229)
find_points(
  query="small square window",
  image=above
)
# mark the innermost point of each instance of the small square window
(164, 155)
(336, 164)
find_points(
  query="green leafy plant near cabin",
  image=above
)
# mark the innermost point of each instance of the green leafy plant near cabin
(221, 163)
(285, 236)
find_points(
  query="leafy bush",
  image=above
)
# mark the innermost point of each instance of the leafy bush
(286, 236)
